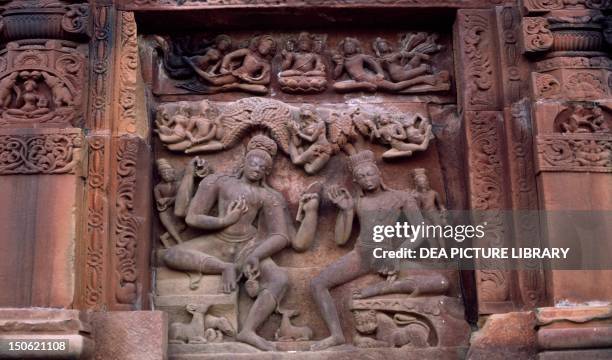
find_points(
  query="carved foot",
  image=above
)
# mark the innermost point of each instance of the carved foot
(228, 278)
(251, 338)
(327, 342)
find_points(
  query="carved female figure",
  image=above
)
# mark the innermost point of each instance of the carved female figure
(311, 130)
(207, 129)
(376, 205)
(165, 195)
(243, 69)
(365, 73)
(430, 202)
(404, 135)
(175, 130)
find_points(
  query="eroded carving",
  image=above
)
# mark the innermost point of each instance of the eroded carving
(574, 152)
(582, 119)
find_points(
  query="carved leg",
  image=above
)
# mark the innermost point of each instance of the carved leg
(169, 221)
(274, 283)
(345, 269)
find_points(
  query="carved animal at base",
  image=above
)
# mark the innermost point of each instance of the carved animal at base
(289, 332)
(202, 328)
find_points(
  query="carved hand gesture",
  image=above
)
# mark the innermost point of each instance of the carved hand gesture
(235, 211)
(340, 197)
(309, 202)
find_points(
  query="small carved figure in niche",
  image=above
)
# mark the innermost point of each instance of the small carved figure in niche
(207, 129)
(29, 101)
(431, 284)
(165, 195)
(309, 145)
(237, 243)
(202, 328)
(303, 70)
(376, 205)
(243, 69)
(210, 62)
(364, 72)
(405, 134)
(290, 332)
(430, 202)
(585, 120)
(59, 91)
(175, 131)
(401, 330)
(6, 89)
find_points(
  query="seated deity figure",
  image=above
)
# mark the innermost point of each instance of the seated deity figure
(302, 69)
(252, 225)
(309, 145)
(207, 129)
(175, 131)
(364, 72)
(375, 205)
(245, 69)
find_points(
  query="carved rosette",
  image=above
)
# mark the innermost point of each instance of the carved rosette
(536, 34)
(40, 151)
(574, 152)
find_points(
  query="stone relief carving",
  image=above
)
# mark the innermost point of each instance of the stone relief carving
(309, 135)
(574, 152)
(583, 119)
(247, 69)
(203, 328)
(237, 249)
(41, 84)
(303, 64)
(56, 152)
(303, 67)
(430, 203)
(369, 209)
(536, 34)
(44, 20)
(404, 70)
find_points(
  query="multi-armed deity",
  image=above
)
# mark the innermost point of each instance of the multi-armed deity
(226, 228)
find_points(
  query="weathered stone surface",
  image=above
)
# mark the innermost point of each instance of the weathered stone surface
(505, 336)
(128, 335)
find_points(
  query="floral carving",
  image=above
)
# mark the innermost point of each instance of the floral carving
(536, 34)
(547, 86)
(585, 85)
(479, 71)
(574, 152)
(76, 19)
(126, 222)
(128, 64)
(40, 153)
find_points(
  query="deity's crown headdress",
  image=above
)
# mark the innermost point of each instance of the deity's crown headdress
(263, 143)
(419, 172)
(163, 164)
(361, 158)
